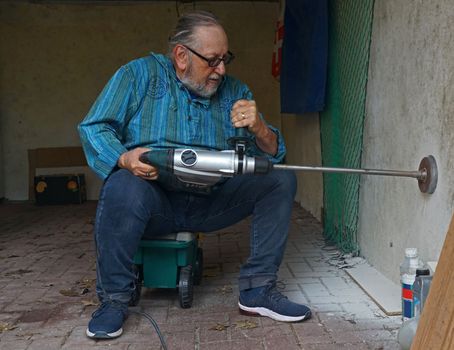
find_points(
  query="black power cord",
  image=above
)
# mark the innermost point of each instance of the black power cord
(153, 322)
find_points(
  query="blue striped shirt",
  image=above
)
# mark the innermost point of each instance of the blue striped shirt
(145, 105)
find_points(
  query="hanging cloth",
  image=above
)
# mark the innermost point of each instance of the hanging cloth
(304, 56)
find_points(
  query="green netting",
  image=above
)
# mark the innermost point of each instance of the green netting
(350, 24)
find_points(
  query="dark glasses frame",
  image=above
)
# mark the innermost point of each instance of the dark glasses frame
(214, 61)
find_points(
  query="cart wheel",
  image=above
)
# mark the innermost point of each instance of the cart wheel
(198, 267)
(185, 287)
(137, 284)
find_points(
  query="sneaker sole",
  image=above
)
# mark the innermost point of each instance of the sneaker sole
(261, 311)
(104, 335)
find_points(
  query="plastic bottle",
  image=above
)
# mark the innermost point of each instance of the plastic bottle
(407, 332)
(421, 289)
(407, 276)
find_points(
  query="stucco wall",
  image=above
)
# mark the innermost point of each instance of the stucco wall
(409, 114)
(302, 134)
(55, 59)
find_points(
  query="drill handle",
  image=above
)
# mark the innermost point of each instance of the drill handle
(161, 159)
(241, 141)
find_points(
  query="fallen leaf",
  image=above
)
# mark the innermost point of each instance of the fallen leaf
(86, 283)
(89, 302)
(219, 327)
(6, 327)
(69, 293)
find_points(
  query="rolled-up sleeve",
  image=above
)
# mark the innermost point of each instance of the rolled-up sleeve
(281, 149)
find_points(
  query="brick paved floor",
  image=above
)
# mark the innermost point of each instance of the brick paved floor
(47, 272)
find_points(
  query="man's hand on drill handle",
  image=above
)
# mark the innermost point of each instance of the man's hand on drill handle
(244, 114)
(130, 160)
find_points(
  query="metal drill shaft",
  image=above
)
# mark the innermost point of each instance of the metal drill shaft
(420, 175)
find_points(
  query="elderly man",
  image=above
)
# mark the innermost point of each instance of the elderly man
(184, 99)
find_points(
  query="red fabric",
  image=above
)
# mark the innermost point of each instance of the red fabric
(278, 39)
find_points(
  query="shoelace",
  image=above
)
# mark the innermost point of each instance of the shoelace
(274, 293)
(280, 285)
(115, 305)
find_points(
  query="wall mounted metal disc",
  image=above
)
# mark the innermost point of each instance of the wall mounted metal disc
(428, 183)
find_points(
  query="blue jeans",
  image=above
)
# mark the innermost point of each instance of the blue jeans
(131, 208)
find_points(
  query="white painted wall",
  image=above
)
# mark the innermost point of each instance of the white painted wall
(409, 114)
(302, 137)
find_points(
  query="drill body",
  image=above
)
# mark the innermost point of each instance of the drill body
(199, 170)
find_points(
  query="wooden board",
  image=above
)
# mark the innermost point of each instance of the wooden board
(436, 326)
(385, 293)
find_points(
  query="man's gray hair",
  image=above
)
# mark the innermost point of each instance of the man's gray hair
(183, 34)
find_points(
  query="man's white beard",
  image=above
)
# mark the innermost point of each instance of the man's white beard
(198, 89)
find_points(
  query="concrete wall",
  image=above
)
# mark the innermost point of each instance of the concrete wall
(409, 114)
(56, 58)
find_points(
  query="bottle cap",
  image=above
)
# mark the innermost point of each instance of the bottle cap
(422, 272)
(411, 252)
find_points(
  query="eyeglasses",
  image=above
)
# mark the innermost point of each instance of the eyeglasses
(214, 61)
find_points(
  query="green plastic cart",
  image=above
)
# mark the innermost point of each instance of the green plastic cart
(172, 261)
